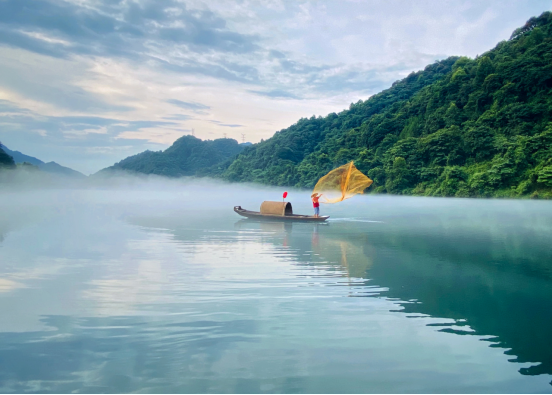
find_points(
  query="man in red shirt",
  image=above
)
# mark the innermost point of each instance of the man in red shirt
(316, 204)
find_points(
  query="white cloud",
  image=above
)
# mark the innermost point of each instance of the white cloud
(48, 39)
(81, 133)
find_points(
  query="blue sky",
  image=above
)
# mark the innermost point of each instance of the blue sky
(87, 83)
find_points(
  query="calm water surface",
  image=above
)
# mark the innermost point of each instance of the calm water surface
(161, 288)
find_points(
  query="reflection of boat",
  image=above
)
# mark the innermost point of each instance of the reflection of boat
(277, 211)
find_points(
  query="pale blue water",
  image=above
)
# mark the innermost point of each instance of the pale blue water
(156, 288)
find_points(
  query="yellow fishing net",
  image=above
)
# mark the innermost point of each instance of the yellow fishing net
(341, 183)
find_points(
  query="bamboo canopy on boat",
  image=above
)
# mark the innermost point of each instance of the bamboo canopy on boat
(342, 183)
(276, 208)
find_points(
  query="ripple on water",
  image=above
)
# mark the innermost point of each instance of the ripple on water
(362, 304)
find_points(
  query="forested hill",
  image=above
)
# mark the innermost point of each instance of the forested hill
(187, 156)
(461, 127)
(6, 161)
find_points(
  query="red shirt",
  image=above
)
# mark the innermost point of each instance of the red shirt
(315, 202)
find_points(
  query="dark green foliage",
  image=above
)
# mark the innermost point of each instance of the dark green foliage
(545, 176)
(188, 156)
(6, 161)
(305, 151)
(462, 127)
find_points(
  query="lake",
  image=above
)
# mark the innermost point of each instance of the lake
(158, 286)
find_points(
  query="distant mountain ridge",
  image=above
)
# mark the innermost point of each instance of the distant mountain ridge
(50, 167)
(188, 156)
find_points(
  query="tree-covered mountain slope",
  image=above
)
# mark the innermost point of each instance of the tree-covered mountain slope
(276, 160)
(461, 127)
(6, 161)
(188, 156)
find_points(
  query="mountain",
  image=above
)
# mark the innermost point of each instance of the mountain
(275, 161)
(187, 156)
(461, 127)
(6, 161)
(53, 167)
(50, 167)
(18, 157)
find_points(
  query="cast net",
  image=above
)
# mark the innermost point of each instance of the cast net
(341, 183)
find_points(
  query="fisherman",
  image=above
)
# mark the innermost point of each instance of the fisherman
(316, 204)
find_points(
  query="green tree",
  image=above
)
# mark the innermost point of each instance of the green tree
(398, 176)
(484, 68)
(453, 116)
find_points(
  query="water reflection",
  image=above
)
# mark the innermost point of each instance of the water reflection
(327, 249)
(500, 286)
(190, 302)
(491, 281)
(117, 354)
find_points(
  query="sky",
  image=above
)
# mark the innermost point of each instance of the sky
(86, 83)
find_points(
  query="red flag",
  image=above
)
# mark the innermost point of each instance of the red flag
(285, 195)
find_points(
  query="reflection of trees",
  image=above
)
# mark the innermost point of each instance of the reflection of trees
(500, 293)
(498, 278)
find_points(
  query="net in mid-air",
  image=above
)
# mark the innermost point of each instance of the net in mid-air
(342, 183)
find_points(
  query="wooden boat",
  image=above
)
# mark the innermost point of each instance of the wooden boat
(277, 211)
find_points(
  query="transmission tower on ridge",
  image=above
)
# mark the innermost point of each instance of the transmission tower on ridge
(193, 132)
(225, 135)
(243, 138)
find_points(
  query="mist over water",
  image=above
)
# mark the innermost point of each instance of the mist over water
(155, 285)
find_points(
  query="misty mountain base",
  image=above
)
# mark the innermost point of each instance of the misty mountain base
(6, 161)
(188, 156)
(31, 163)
